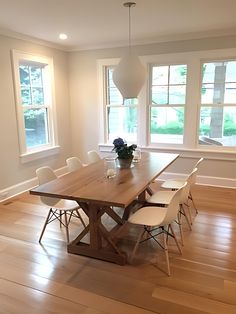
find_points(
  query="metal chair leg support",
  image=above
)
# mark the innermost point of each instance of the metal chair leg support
(50, 213)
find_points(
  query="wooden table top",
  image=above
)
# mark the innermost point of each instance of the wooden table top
(89, 183)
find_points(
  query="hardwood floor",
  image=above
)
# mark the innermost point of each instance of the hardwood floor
(46, 279)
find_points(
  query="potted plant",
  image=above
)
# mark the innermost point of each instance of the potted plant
(124, 152)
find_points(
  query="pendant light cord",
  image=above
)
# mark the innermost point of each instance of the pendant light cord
(129, 5)
(129, 28)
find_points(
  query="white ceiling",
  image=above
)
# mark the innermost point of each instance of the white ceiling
(104, 23)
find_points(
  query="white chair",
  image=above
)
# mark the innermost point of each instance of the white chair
(93, 156)
(164, 198)
(74, 163)
(156, 221)
(58, 207)
(174, 184)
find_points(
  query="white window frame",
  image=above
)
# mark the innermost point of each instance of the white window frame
(117, 105)
(150, 105)
(29, 154)
(212, 105)
(102, 65)
(190, 146)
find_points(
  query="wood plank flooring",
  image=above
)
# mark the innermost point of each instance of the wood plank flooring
(46, 279)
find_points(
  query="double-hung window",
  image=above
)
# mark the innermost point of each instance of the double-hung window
(167, 99)
(34, 102)
(218, 103)
(121, 115)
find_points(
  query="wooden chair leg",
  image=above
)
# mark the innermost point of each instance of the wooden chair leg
(189, 213)
(179, 221)
(67, 227)
(185, 215)
(191, 198)
(141, 233)
(166, 252)
(45, 224)
(176, 241)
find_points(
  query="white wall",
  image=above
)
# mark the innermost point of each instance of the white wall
(78, 108)
(85, 108)
(12, 171)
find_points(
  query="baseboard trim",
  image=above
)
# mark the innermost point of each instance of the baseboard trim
(25, 186)
(202, 180)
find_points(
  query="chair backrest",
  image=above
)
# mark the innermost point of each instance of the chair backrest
(191, 180)
(174, 206)
(198, 163)
(93, 156)
(74, 163)
(46, 174)
(192, 177)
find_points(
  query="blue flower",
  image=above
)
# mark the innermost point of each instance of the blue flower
(118, 142)
(122, 149)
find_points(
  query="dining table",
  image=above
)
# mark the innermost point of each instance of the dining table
(98, 195)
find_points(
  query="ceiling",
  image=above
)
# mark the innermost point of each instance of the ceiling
(93, 24)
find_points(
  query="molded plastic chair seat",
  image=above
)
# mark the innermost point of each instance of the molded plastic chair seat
(74, 163)
(175, 184)
(149, 216)
(59, 208)
(93, 156)
(161, 218)
(162, 197)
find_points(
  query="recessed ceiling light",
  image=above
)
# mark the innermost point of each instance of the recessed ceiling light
(63, 36)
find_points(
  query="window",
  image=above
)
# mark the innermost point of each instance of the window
(187, 104)
(34, 102)
(121, 116)
(167, 102)
(218, 104)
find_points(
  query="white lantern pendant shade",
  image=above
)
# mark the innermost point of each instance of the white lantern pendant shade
(129, 75)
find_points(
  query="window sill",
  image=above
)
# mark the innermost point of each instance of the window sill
(28, 157)
(183, 152)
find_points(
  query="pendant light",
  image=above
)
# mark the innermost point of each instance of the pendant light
(129, 75)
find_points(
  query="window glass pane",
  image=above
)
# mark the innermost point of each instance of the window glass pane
(207, 93)
(36, 76)
(37, 95)
(230, 93)
(160, 75)
(178, 74)
(160, 95)
(230, 71)
(36, 127)
(24, 75)
(169, 84)
(167, 125)
(219, 83)
(177, 94)
(208, 73)
(114, 97)
(217, 126)
(122, 122)
(26, 96)
(131, 101)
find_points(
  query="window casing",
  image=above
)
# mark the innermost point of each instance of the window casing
(190, 106)
(217, 124)
(34, 103)
(121, 115)
(167, 103)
